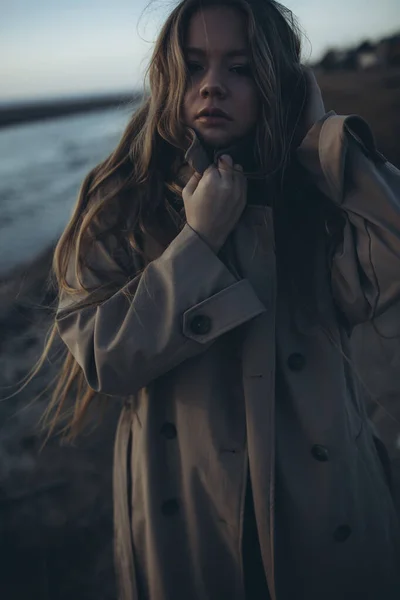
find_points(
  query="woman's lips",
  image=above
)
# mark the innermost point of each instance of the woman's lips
(212, 120)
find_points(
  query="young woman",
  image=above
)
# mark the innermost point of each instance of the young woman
(211, 275)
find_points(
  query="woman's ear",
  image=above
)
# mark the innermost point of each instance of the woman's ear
(314, 108)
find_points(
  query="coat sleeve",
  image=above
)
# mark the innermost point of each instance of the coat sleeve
(173, 310)
(340, 155)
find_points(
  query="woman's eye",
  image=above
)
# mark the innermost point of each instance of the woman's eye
(241, 70)
(193, 67)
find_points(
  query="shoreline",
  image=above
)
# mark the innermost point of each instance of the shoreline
(15, 114)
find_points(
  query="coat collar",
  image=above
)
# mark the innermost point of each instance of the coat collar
(199, 157)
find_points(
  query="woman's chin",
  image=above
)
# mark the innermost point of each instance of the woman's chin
(215, 138)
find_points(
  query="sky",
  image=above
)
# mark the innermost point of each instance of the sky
(51, 48)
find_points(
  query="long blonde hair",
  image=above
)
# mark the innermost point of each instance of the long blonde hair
(143, 167)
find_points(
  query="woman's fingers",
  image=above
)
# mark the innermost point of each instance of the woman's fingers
(238, 169)
(238, 174)
(225, 170)
(225, 167)
(192, 184)
(233, 175)
(240, 178)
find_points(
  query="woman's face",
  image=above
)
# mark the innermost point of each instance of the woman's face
(221, 79)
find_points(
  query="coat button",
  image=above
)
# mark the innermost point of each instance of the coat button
(342, 533)
(200, 325)
(169, 508)
(320, 453)
(168, 430)
(296, 362)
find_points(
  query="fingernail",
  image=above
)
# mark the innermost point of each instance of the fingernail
(226, 158)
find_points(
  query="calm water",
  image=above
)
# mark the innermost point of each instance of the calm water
(42, 165)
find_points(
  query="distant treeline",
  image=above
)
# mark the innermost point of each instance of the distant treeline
(13, 114)
(384, 54)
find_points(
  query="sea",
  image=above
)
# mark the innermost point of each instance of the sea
(42, 165)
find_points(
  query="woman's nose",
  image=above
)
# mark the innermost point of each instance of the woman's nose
(213, 87)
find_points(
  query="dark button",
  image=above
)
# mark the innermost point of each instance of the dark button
(296, 362)
(342, 533)
(170, 508)
(168, 430)
(320, 453)
(200, 324)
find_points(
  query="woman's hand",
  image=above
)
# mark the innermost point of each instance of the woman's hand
(215, 201)
(314, 108)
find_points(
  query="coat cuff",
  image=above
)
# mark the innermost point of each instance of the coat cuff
(323, 151)
(222, 312)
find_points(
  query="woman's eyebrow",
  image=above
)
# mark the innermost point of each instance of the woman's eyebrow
(230, 53)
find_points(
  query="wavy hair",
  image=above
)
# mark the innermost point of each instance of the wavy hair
(139, 178)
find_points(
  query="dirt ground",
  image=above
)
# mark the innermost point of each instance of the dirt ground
(55, 505)
(375, 96)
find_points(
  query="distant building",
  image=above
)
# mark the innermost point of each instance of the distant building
(368, 60)
(367, 57)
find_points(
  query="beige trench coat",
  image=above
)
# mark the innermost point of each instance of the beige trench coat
(203, 412)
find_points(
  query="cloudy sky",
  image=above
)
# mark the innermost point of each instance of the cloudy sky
(52, 48)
